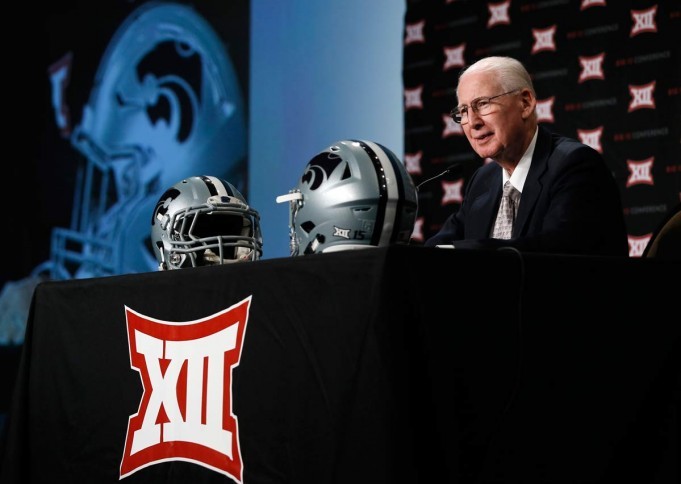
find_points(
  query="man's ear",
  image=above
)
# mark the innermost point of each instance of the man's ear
(529, 102)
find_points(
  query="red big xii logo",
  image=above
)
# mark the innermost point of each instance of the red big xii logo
(642, 96)
(414, 33)
(452, 192)
(544, 39)
(592, 67)
(185, 413)
(412, 162)
(412, 98)
(498, 13)
(454, 56)
(644, 21)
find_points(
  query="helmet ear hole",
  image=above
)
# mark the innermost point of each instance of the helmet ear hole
(307, 226)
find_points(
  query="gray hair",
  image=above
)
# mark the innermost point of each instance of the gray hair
(509, 72)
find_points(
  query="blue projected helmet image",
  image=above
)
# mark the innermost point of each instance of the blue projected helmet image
(165, 104)
(204, 220)
(354, 194)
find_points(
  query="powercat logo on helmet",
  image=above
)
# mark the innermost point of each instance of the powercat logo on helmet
(320, 168)
(186, 409)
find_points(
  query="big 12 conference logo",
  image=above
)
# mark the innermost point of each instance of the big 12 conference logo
(186, 409)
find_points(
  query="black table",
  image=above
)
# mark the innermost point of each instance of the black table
(401, 364)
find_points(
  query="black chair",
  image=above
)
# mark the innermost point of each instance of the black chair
(666, 240)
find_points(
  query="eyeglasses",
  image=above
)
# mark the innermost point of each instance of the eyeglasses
(481, 105)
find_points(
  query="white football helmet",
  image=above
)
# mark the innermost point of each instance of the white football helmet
(204, 220)
(354, 194)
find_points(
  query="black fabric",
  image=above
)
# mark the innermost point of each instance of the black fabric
(356, 367)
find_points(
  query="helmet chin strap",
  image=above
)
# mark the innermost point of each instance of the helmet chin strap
(295, 199)
(242, 254)
(210, 258)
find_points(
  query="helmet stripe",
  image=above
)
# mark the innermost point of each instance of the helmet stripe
(398, 185)
(372, 150)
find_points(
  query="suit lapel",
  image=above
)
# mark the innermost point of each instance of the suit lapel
(533, 186)
(485, 207)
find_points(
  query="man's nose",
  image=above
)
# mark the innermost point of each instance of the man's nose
(474, 119)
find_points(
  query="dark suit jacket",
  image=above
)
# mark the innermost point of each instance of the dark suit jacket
(570, 204)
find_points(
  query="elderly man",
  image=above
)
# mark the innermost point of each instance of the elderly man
(544, 192)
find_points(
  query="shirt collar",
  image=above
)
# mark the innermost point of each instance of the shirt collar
(522, 168)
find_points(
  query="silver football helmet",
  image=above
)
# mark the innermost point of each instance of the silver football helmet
(354, 194)
(204, 220)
